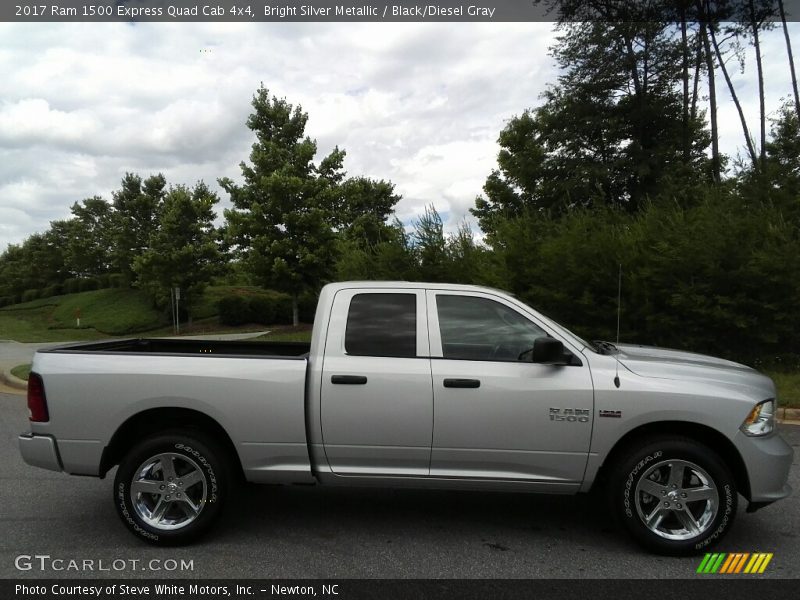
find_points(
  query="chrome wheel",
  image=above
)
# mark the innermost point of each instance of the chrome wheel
(677, 499)
(168, 491)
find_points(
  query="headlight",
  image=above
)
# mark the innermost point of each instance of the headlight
(761, 419)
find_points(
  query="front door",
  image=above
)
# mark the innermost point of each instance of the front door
(496, 414)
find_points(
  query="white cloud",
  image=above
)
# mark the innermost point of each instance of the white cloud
(420, 104)
(33, 121)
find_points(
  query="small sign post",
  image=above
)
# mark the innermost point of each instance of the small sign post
(177, 310)
(78, 317)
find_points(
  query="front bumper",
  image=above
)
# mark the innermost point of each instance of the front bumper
(768, 461)
(40, 451)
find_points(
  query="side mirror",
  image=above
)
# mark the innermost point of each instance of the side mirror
(548, 351)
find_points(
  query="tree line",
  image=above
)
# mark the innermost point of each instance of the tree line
(618, 163)
(294, 224)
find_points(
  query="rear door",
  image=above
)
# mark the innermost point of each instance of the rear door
(376, 396)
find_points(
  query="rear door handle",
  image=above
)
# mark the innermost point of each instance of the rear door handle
(348, 379)
(462, 383)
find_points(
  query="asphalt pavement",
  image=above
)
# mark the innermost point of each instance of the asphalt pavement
(297, 532)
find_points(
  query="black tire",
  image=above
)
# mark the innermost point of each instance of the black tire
(188, 452)
(649, 463)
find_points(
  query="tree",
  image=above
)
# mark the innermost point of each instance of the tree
(362, 210)
(391, 258)
(757, 18)
(281, 220)
(90, 240)
(36, 263)
(430, 246)
(136, 207)
(779, 182)
(790, 54)
(183, 251)
(616, 127)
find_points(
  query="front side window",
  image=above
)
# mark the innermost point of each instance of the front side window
(382, 325)
(474, 328)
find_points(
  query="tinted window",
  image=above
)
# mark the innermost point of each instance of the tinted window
(382, 325)
(481, 329)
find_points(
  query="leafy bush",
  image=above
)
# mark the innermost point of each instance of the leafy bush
(52, 290)
(308, 306)
(263, 309)
(29, 295)
(234, 310)
(6, 301)
(249, 305)
(720, 277)
(117, 280)
(283, 310)
(89, 284)
(104, 281)
(72, 285)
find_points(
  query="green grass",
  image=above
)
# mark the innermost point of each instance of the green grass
(22, 371)
(788, 385)
(36, 325)
(104, 313)
(301, 333)
(112, 313)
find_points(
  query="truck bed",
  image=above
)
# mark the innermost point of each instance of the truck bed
(168, 346)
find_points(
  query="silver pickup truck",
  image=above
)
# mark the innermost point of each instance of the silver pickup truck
(413, 384)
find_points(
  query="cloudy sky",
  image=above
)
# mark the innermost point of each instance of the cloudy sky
(420, 104)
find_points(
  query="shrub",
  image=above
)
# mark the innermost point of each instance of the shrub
(234, 310)
(52, 290)
(89, 284)
(308, 306)
(116, 280)
(104, 281)
(263, 309)
(29, 295)
(72, 285)
(6, 301)
(283, 310)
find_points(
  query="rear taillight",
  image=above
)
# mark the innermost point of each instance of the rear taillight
(37, 402)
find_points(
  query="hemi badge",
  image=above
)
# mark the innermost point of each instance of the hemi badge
(611, 414)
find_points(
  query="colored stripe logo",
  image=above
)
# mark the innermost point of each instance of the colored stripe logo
(733, 563)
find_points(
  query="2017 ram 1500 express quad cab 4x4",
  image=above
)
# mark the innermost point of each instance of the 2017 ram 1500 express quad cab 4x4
(413, 384)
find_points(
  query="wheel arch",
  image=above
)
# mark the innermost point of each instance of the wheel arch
(702, 434)
(152, 421)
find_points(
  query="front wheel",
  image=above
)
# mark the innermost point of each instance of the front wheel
(673, 495)
(170, 487)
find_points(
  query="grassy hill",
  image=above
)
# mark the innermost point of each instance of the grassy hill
(105, 313)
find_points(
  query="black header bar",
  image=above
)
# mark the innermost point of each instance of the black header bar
(378, 11)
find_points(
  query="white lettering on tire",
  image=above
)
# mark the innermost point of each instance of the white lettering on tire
(631, 476)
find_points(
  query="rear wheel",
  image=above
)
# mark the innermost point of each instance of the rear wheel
(170, 487)
(673, 495)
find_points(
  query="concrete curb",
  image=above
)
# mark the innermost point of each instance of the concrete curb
(11, 381)
(788, 415)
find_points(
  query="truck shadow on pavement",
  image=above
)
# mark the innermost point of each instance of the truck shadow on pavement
(497, 520)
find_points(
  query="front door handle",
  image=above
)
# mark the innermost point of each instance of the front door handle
(462, 383)
(348, 379)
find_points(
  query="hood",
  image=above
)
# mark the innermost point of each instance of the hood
(648, 361)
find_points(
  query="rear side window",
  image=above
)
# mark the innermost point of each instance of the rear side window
(382, 325)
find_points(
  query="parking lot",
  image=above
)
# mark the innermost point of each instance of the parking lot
(290, 532)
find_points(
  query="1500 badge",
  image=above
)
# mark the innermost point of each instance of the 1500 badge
(572, 415)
